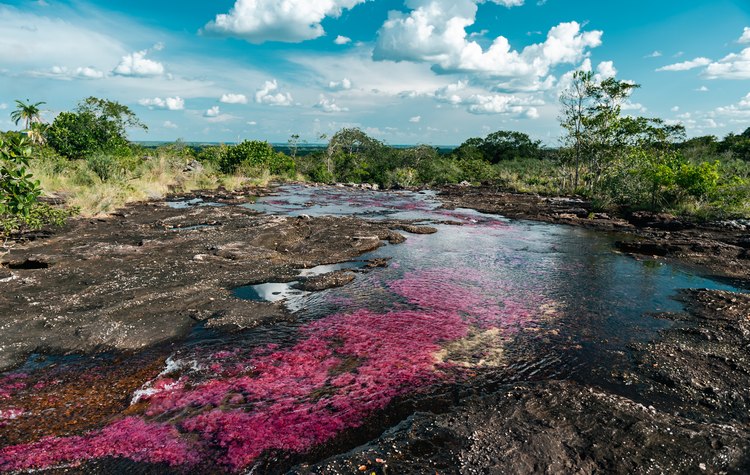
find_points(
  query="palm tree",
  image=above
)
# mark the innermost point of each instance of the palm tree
(27, 112)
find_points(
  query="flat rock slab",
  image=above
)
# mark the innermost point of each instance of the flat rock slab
(150, 272)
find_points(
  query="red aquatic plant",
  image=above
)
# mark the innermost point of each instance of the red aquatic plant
(240, 403)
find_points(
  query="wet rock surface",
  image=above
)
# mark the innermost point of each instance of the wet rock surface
(720, 247)
(682, 408)
(326, 281)
(152, 271)
(675, 404)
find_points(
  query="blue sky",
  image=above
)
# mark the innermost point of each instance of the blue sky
(405, 71)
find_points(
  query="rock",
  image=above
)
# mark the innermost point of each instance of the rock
(410, 228)
(396, 238)
(193, 166)
(464, 184)
(326, 281)
(644, 248)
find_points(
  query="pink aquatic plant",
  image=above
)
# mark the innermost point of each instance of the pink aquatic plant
(240, 403)
(130, 437)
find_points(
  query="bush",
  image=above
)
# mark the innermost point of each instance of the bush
(19, 208)
(96, 125)
(105, 166)
(254, 154)
(19, 191)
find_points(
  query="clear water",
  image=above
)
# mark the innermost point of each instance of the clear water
(491, 298)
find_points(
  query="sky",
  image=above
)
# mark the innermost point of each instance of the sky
(404, 71)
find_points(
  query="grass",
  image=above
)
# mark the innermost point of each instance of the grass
(100, 186)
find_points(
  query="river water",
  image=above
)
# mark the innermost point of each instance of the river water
(485, 298)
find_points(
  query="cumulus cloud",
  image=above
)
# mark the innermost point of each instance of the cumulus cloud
(741, 110)
(686, 65)
(654, 54)
(3, 106)
(434, 31)
(508, 104)
(343, 85)
(270, 94)
(451, 93)
(215, 111)
(62, 72)
(342, 40)
(290, 21)
(606, 70)
(745, 38)
(233, 99)
(169, 125)
(416, 119)
(329, 105)
(136, 64)
(169, 103)
(732, 66)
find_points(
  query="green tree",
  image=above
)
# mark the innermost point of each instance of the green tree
(27, 112)
(255, 154)
(576, 102)
(97, 125)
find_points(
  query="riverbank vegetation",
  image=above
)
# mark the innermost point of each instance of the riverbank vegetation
(84, 161)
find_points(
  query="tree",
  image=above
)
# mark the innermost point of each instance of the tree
(27, 112)
(97, 125)
(576, 103)
(509, 145)
(592, 118)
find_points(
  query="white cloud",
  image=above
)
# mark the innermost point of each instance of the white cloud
(169, 103)
(252, 122)
(169, 125)
(30, 40)
(450, 93)
(329, 105)
(606, 70)
(634, 106)
(675, 109)
(215, 111)
(655, 54)
(290, 21)
(502, 104)
(686, 65)
(702, 89)
(342, 40)
(3, 106)
(416, 119)
(732, 66)
(62, 72)
(435, 32)
(215, 116)
(745, 38)
(233, 98)
(343, 85)
(136, 64)
(268, 95)
(741, 110)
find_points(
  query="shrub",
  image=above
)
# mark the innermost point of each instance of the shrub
(105, 166)
(253, 154)
(19, 208)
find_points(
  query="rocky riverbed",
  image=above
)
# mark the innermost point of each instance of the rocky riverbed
(721, 247)
(153, 271)
(126, 286)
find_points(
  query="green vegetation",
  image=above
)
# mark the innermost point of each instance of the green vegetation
(19, 206)
(620, 162)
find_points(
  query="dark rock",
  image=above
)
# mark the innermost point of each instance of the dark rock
(410, 228)
(326, 281)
